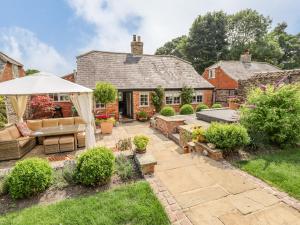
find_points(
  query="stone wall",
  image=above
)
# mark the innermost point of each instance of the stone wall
(292, 76)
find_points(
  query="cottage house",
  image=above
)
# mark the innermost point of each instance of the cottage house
(225, 75)
(136, 75)
(10, 68)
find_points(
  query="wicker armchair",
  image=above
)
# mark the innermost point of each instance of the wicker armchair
(16, 149)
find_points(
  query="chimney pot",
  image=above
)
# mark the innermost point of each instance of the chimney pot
(137, 45)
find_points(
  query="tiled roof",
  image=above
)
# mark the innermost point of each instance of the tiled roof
(243, 71)
(127, 71)
(6, 58)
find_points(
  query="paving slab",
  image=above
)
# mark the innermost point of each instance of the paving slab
(261, 196)
(245, 205)
(201, 195)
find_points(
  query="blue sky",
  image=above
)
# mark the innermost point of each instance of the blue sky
(49, 34)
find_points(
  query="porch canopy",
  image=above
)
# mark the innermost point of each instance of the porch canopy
(19, 89)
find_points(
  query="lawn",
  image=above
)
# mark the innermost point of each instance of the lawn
(280, 169)
(129, 204)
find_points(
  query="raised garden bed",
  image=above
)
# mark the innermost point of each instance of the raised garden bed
(203, 148)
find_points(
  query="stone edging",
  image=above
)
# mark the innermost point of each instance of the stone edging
(284, 197)
(172, 208)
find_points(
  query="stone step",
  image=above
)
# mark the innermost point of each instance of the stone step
(175, 137)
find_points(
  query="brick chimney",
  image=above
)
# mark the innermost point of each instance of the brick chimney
(246, 57)
(136, 45)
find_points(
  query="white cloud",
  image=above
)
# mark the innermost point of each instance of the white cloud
(23, 45)
(163, 20)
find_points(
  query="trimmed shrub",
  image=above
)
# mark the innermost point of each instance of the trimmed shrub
(273, 115)
(167, 111)
(95, 166)
(142, 114)
(201, 106)
(216, 106)
(29, 177)
(124, 167)
(140, 142)
(227, 136)
(186, 109)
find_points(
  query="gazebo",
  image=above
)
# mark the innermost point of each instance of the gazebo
(19, 89)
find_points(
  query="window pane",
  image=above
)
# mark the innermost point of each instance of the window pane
(176, 100)
(169, 100)
(199, 98)
(144, 100)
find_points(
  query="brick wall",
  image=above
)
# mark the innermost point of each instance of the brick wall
(66, 108)
(111, 109)
(221, 80)
(167, 125)
(7, 73)
(292, 76)
(136, 105)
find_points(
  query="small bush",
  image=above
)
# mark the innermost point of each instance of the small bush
(29, 177)
(216, 106)
(142, 115)
(95, 166)
(124, 167)
(59, 182)
(141, 142)
(186, 109)
(198, 134)
(167, 111)
(124, 144)
(201, 106)
(68, 171)
(227, 136)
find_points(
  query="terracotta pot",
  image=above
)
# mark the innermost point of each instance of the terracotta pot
(139, 151)
(233, 105)
(106, 127)
(142, 119)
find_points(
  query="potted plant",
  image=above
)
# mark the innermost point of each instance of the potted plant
(142, 116)
(106, 123)
(233, 102)
(199, 134)
(105, 93)
(140, 142)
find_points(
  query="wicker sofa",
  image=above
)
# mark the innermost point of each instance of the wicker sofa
(13, 145)
(53, 122)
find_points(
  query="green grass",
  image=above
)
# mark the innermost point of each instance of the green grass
(280, 169)
(130, 204)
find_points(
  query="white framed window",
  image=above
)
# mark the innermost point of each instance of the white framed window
(172, 98)
(211, 73)
(100, 105)
(144, 99)
(60, 97)
(198, 97)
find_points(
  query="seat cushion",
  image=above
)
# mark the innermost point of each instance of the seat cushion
(51, 141)
(81, 135)
(5, 135)
(79, 120)
(50, 122)
(34, 124)
(66, 121)
(23, 141)
(24, 129)
(14, 132)
(66, 139)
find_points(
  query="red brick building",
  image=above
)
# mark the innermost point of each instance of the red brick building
(136, 75)
(225, 75)
(10, 68)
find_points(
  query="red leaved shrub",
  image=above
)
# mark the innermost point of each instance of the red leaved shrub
(42, 106)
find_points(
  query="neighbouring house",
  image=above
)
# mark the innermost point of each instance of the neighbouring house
(136, 75)
(10, 68)
(225, 75)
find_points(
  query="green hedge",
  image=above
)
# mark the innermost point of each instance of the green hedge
(167, 111)
(201, 106)
(186, 109)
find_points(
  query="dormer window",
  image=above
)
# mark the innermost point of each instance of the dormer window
(211, 73)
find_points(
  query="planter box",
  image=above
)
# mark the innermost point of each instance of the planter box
(146, 163)
(233, 105)
(215, 154)
(106, 127)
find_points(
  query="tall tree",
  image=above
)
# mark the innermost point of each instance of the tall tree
(175, 47)
(245, 28)
(207, 41)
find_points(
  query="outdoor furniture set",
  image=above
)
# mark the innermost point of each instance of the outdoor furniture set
(56, 135)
